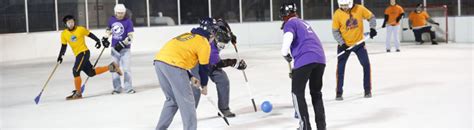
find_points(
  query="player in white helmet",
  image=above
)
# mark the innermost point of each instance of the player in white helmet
(120, 27)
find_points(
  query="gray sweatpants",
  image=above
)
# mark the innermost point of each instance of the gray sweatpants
(219, 77)
(174, 82)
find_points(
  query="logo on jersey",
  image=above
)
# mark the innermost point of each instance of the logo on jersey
(352, 23)
(73, 38)
(117, 30)
(308, 28)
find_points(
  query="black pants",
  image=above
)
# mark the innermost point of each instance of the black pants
(83, 63)
(314, 73)
(420, 31)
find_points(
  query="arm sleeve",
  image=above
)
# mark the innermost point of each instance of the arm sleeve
(410, 18)
(372, 22)
(63, 50)
(410, 23)
(369, 16)
(385, 20)
(92, 36)
(431, 20)
(400, 17)
(287, 40)
(203, 74)
(337, 35)
(428, 18)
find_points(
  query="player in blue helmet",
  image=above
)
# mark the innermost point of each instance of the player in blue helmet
(223, 36)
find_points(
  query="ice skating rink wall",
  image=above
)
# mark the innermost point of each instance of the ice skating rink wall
(44, 46)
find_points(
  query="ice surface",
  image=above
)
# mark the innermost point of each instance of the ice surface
(422, 87)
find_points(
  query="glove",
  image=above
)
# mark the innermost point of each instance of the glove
(204, 90)
(241, 66)
(120, 45)
(343, 47)
(105, 42)
(411, 28)
(288, 58)
(195, 82)
(60, 59)
(373, 33)
(436, 24)
(226, 62)
(97, 44)
(233, 39)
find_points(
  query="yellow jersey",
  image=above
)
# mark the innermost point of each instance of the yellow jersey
(393, 13)
(185, 51)
(418, 19)
(76, 39)
(351, 25)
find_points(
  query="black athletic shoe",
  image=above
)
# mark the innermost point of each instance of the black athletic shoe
(339, 97)
(421, 42)
(116, 92)
(388, 50)
(368, 95)
(131, 91)
(75, 95)
(434, 43)
(398, 50)
(227, 113)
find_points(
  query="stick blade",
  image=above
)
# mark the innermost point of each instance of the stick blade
(225, 119)
(38, 98)
(254, 106)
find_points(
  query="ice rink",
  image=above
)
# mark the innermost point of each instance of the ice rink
(423, 87)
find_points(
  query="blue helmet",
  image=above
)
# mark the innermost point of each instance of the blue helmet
(208, 24)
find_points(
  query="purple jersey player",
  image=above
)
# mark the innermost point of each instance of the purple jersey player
(309, 64)
(120, 27)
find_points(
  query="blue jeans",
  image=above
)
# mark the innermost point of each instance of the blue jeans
(123, 59)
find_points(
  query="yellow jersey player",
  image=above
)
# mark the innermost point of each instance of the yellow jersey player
(173, 64)
(75, 37)
(418, 23)
(348, 29)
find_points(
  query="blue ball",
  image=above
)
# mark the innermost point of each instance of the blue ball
(266, 106)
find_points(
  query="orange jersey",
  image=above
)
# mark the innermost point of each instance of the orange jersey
(393, 13)
(418, 19)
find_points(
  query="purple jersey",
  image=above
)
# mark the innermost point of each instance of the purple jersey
(306, 47)
(120, 29)
(214, 58)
